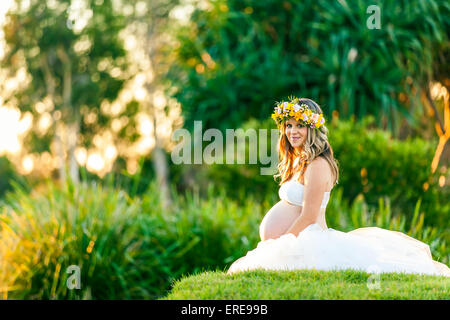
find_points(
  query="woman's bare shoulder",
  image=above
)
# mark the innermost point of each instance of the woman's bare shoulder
(318, 163)
(320, 169)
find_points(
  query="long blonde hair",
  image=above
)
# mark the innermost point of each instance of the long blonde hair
(316, 145)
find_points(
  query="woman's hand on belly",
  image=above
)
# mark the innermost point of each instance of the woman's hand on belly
(278, 219)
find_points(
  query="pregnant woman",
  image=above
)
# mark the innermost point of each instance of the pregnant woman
(294, 233)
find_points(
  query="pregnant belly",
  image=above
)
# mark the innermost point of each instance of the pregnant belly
(278, 219)
(281, 217)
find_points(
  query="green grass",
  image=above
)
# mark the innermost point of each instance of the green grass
(309, 284)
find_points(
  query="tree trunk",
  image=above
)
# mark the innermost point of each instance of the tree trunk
(58, 137)
(72, 139)
(161, 168)
(162, 173)
(442, 128)
(159, 159)
(69, 112)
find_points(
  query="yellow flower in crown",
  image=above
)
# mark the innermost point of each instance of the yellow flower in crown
(299, 111)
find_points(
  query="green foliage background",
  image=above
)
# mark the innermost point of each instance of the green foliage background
(237, 58)
(231, 62)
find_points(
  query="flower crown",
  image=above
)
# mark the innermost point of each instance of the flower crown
(285, 110)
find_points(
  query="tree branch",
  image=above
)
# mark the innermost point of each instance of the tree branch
(436, 113)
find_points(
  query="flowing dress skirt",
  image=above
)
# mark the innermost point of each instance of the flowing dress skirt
(370, 249)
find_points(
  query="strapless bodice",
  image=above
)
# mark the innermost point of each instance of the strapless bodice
(292, 192)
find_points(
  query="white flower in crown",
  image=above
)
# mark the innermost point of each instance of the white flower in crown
(285, 106)
(322, 120)
(315, 117)
(279, 109)
(296, 107)
(304, 117)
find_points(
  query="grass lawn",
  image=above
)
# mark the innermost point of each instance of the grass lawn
(309, 284)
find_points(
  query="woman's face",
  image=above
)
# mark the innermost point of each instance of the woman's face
(296, 133)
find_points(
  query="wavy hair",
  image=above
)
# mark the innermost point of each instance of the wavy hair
(316, 145)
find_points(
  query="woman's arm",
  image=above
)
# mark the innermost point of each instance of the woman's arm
(316, 180)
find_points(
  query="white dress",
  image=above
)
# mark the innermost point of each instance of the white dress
(369, 249)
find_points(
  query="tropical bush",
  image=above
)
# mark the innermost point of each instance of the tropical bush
(126, 248)
(8, 175)
(235, 58)
(375, 165)
(58, 227)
